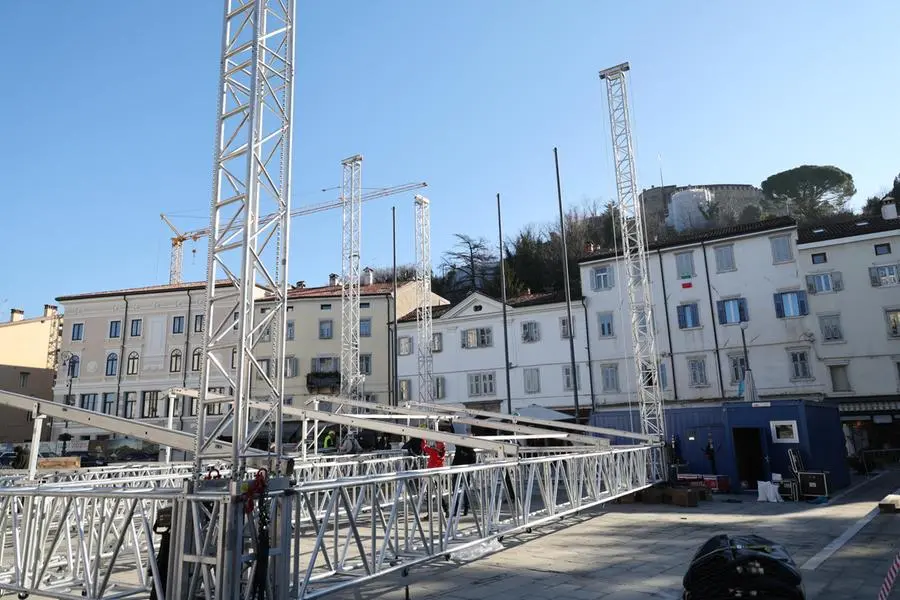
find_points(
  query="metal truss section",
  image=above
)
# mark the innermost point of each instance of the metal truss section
(251, 177)
(425, 339)
(327, 535)
(634, 255)
(351, 198)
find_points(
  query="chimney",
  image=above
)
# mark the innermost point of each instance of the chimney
(50, 310)
(368, 276)
(16, 314)
(300, 285)
(333, 279)
(589, 247)
(888, 208)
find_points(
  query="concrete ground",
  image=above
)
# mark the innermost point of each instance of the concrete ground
(637, 551)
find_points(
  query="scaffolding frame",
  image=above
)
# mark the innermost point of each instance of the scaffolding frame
(424, 335)
(351, 239)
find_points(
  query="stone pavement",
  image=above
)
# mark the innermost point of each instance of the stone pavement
(639, 552)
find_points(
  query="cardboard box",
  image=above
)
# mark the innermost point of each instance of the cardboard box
(686, 497)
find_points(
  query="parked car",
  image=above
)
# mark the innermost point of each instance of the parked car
(7, 459)
(88, 459)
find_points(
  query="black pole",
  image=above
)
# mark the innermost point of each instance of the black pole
(395, 384)
(503, 298)
(744, 343)
(565, 266)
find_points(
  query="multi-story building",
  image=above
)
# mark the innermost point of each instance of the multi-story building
(31, 341)
(468, 354)
(121, 350)
(29, 381)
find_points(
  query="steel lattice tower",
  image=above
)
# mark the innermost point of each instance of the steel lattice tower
(351, 197)
(424, 342)
(634, 255)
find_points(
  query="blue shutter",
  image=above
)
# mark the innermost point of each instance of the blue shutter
(801, 302)
(720, 307)
(837, 281)
(743, 313)
(695, 314)
(682, 321)
(811, 284)
(779, 306)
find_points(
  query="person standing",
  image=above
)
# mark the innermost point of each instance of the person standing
(436, 455)
(462, 456)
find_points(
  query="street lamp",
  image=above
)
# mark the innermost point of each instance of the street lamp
(744, 325)
(69, 360)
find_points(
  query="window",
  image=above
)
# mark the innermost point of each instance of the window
(198, 323)
(564, 330)
(128, 408)
(178, 324)
(131, 368)
(724, 258)
(325, 364)
(790, 304)
(115, 329)
(405, 385)
(482, 384)
(326, 327)
(365, 364)
(136, 327)
(365, 328)
(884, 275)
(291, 367)
(440, 388)
(196, 359)
(663, 376)
(234, 358)
(175, 361)
(731, 311)
(265, 366)
(684, 264)
(602, 278)
(266, 334)
(23, 379)
(688, 316)
(481, 337)
(840, 381)
(74, 367)
(831, 328)
(150, 405)
(324, 307)
(738, 366)
(89, 401)
(781, 249)
(819, 258)
(77, 332)
(882, 249)
(697, 370)
(404, 346)
(437, 342)
(289, 332)
(568, 381)
(605, 325)
(822, 283)
(365, 304)
(532, 380)
(112, 364)
(217, 408)
(109, 403)
(893, 322)
(800, 364)
(609, 378)
(531, 332)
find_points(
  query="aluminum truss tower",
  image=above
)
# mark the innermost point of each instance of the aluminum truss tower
(351, 198)
(425, 342)
(634, 255)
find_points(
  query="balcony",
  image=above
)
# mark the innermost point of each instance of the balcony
(327, 382)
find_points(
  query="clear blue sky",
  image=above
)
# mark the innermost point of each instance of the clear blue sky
(107, 117)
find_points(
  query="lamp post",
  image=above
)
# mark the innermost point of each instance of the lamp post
(744, 325)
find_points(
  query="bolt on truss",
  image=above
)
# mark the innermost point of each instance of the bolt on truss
(425, 341)
(351, 197)
(634, 255)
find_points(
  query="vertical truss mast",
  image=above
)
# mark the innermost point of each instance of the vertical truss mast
(634, 255)
(351, 198)
(424, 343)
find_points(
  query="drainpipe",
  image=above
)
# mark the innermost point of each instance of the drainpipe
(587, 334)
(662, 277)
(122, 359)
(188, 327)
(715, 329)
(390, 344)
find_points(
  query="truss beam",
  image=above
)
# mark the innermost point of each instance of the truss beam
(424, 335)
(351, 239)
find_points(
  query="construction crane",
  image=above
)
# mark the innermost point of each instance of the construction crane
(176, 259)
(634, 258)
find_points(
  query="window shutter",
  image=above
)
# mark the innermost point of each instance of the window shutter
(462, 338)
(873, 277)
(743, 313)
(779, 306)
(720, 307)
(682, 320)
(312, 365)
(837, 281)
(594, 272)
(537, 331)
(811, 284)
(801, 302)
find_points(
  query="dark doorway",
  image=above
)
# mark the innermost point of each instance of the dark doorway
(748, 450)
